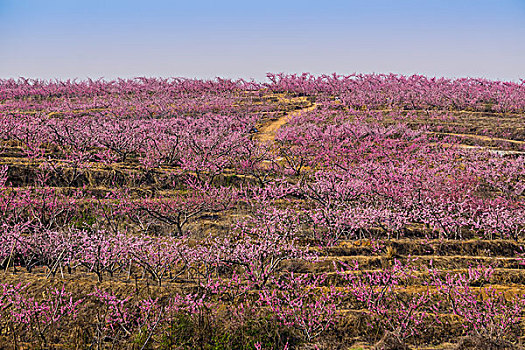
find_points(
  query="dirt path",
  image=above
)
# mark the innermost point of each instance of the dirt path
(478, 137)
(501, 152)
(267, 132)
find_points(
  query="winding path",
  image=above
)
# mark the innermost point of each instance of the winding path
(268, 131)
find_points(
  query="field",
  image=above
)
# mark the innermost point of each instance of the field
(329, 212)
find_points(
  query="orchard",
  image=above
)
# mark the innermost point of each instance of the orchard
(307, 212)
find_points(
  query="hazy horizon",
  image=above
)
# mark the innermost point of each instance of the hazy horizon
(233, 39)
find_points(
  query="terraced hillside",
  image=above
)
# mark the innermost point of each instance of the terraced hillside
(327, 212)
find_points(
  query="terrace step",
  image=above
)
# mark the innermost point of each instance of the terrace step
(325, 264)
(511, 278)
(419, 247)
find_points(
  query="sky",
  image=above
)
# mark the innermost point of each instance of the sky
(62, 39)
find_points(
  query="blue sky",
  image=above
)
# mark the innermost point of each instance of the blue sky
(204, 39)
